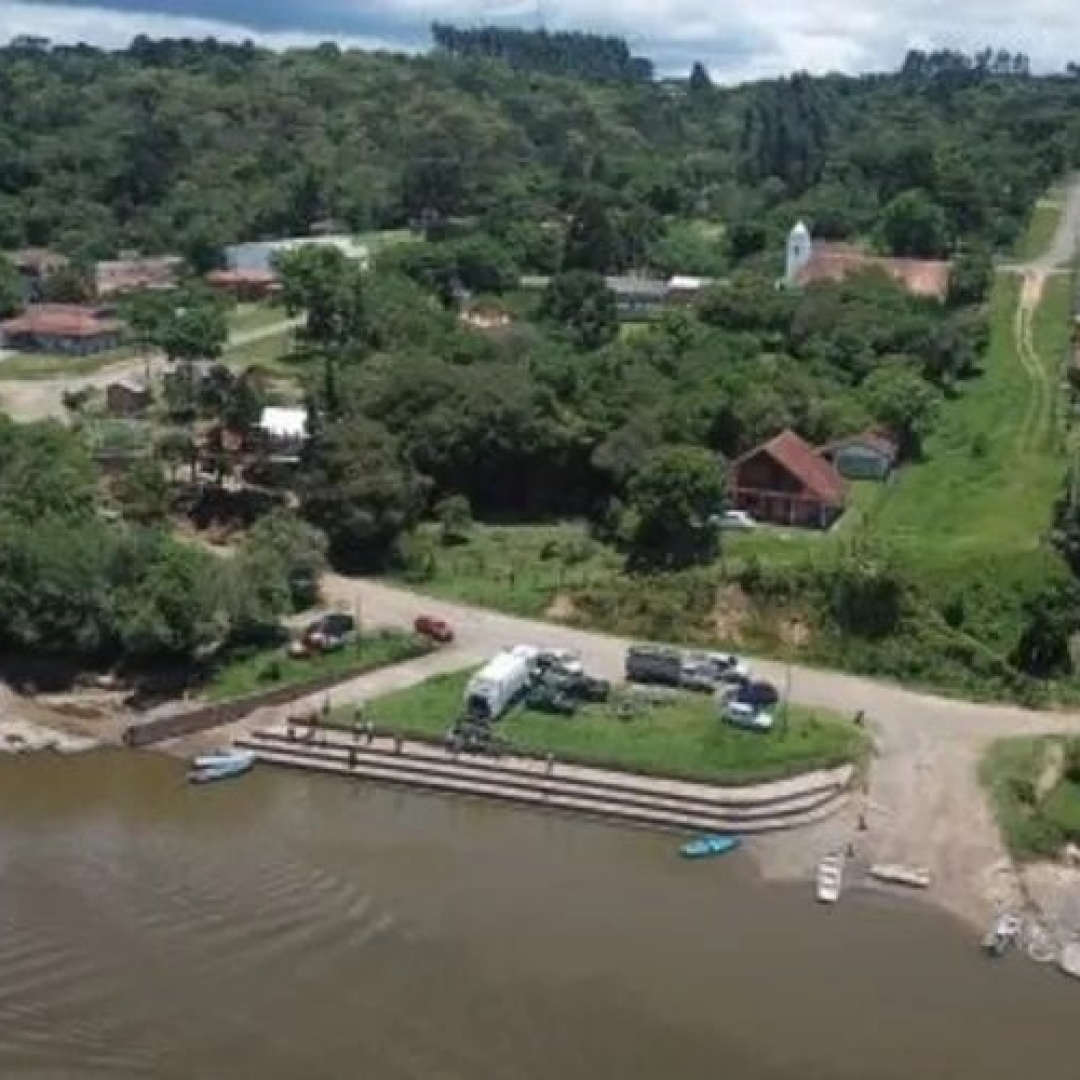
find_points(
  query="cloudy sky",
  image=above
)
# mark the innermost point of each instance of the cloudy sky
(736, 38)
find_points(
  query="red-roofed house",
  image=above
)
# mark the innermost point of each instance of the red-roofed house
(786, 481)
(247, 285)
(835, 262)
(70, 329)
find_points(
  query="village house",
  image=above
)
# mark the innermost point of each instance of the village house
(34, 265)
(637, 297)
(484, 317)
(68, 329)
(787, 482)
(127, 397)
(132, 274)
(809, 262)
(262, 255)
(247, 286)
(868, 455)
(283, 432)
(684, 289)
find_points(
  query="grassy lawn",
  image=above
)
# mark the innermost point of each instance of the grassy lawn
(265, 669)
(1041, 227)
(50, 365)
(519, 568)
(247, 317)
(684, 738)
(994, 465)
(1034, 824)
(380, 240)
(269, 352)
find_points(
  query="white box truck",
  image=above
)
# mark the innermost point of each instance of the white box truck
(498, 684)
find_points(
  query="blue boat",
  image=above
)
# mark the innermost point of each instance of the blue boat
(222, 766)
(710, 844)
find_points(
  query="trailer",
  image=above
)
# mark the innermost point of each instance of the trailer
(499, 683)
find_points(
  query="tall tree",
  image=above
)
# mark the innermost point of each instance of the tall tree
(584, 305)
(360, 491)
(11, 291)
(591, 243)
(672, 504)
(913, 225)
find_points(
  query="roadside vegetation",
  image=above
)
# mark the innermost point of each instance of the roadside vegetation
(1034, 788)
(1036, 238)
(252, 670)
(681, 738)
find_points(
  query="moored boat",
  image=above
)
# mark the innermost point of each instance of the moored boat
(1069, 960)
(709, 844)
(829, 879)
(1002, 935)
(225, 766)
(914, 877)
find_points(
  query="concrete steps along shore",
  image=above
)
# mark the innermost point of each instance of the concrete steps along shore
(634, 798)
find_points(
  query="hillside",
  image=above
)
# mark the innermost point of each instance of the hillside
(187, 146)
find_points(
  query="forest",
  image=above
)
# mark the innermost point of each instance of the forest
(503, 158)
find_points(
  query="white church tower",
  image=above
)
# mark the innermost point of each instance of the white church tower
(799, 249)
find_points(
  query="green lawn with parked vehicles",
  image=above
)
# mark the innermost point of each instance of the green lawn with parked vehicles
(668, 733)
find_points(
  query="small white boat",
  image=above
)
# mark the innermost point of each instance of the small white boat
(1002, 935)
(829, 879)
(1069, 961)
(217, 758)
(914, 877)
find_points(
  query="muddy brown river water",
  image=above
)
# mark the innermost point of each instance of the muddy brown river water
(297, 928)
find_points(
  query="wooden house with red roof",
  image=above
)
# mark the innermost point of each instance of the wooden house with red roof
(787, 482)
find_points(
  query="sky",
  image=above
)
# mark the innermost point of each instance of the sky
(736, 39)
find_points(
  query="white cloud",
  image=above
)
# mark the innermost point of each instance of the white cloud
(737, 38)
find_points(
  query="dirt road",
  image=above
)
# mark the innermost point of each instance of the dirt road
(42, 399)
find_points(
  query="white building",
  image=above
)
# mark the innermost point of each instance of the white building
(259, 256)
(800, 249)
(284, 431)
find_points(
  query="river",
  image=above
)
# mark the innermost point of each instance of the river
(289, 927)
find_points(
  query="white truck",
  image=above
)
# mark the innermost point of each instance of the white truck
(500, 682)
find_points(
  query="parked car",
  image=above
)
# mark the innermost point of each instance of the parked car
(758, 693)
(652, 664)
(698, 675)
(728, 666)
(736, 521)
(329, 632)
(742, 714)
(564, 660)
(544, 699)
(437, 629)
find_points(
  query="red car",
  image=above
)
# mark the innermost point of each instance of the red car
(436, 629)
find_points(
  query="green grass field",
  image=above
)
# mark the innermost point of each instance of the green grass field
(1040, 231)
(269, 352)
(247, 317)
(518, 568)
(995, 463)
(684, 738)
(1033, 824)
(265, 669)
(50, 365)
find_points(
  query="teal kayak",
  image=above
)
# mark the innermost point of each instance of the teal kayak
(709, 844)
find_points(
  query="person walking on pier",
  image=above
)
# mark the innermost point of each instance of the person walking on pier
(352, 758)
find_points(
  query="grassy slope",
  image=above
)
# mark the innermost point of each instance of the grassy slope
(247, 317)
(49, 365)
(269, 668)
(984, 483)
(1031, 827)
(1041, 227)
(684, 738)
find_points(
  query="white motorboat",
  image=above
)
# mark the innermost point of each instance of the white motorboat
(1002, 935)
(829, 880)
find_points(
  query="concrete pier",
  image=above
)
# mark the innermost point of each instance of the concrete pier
(633, 798)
